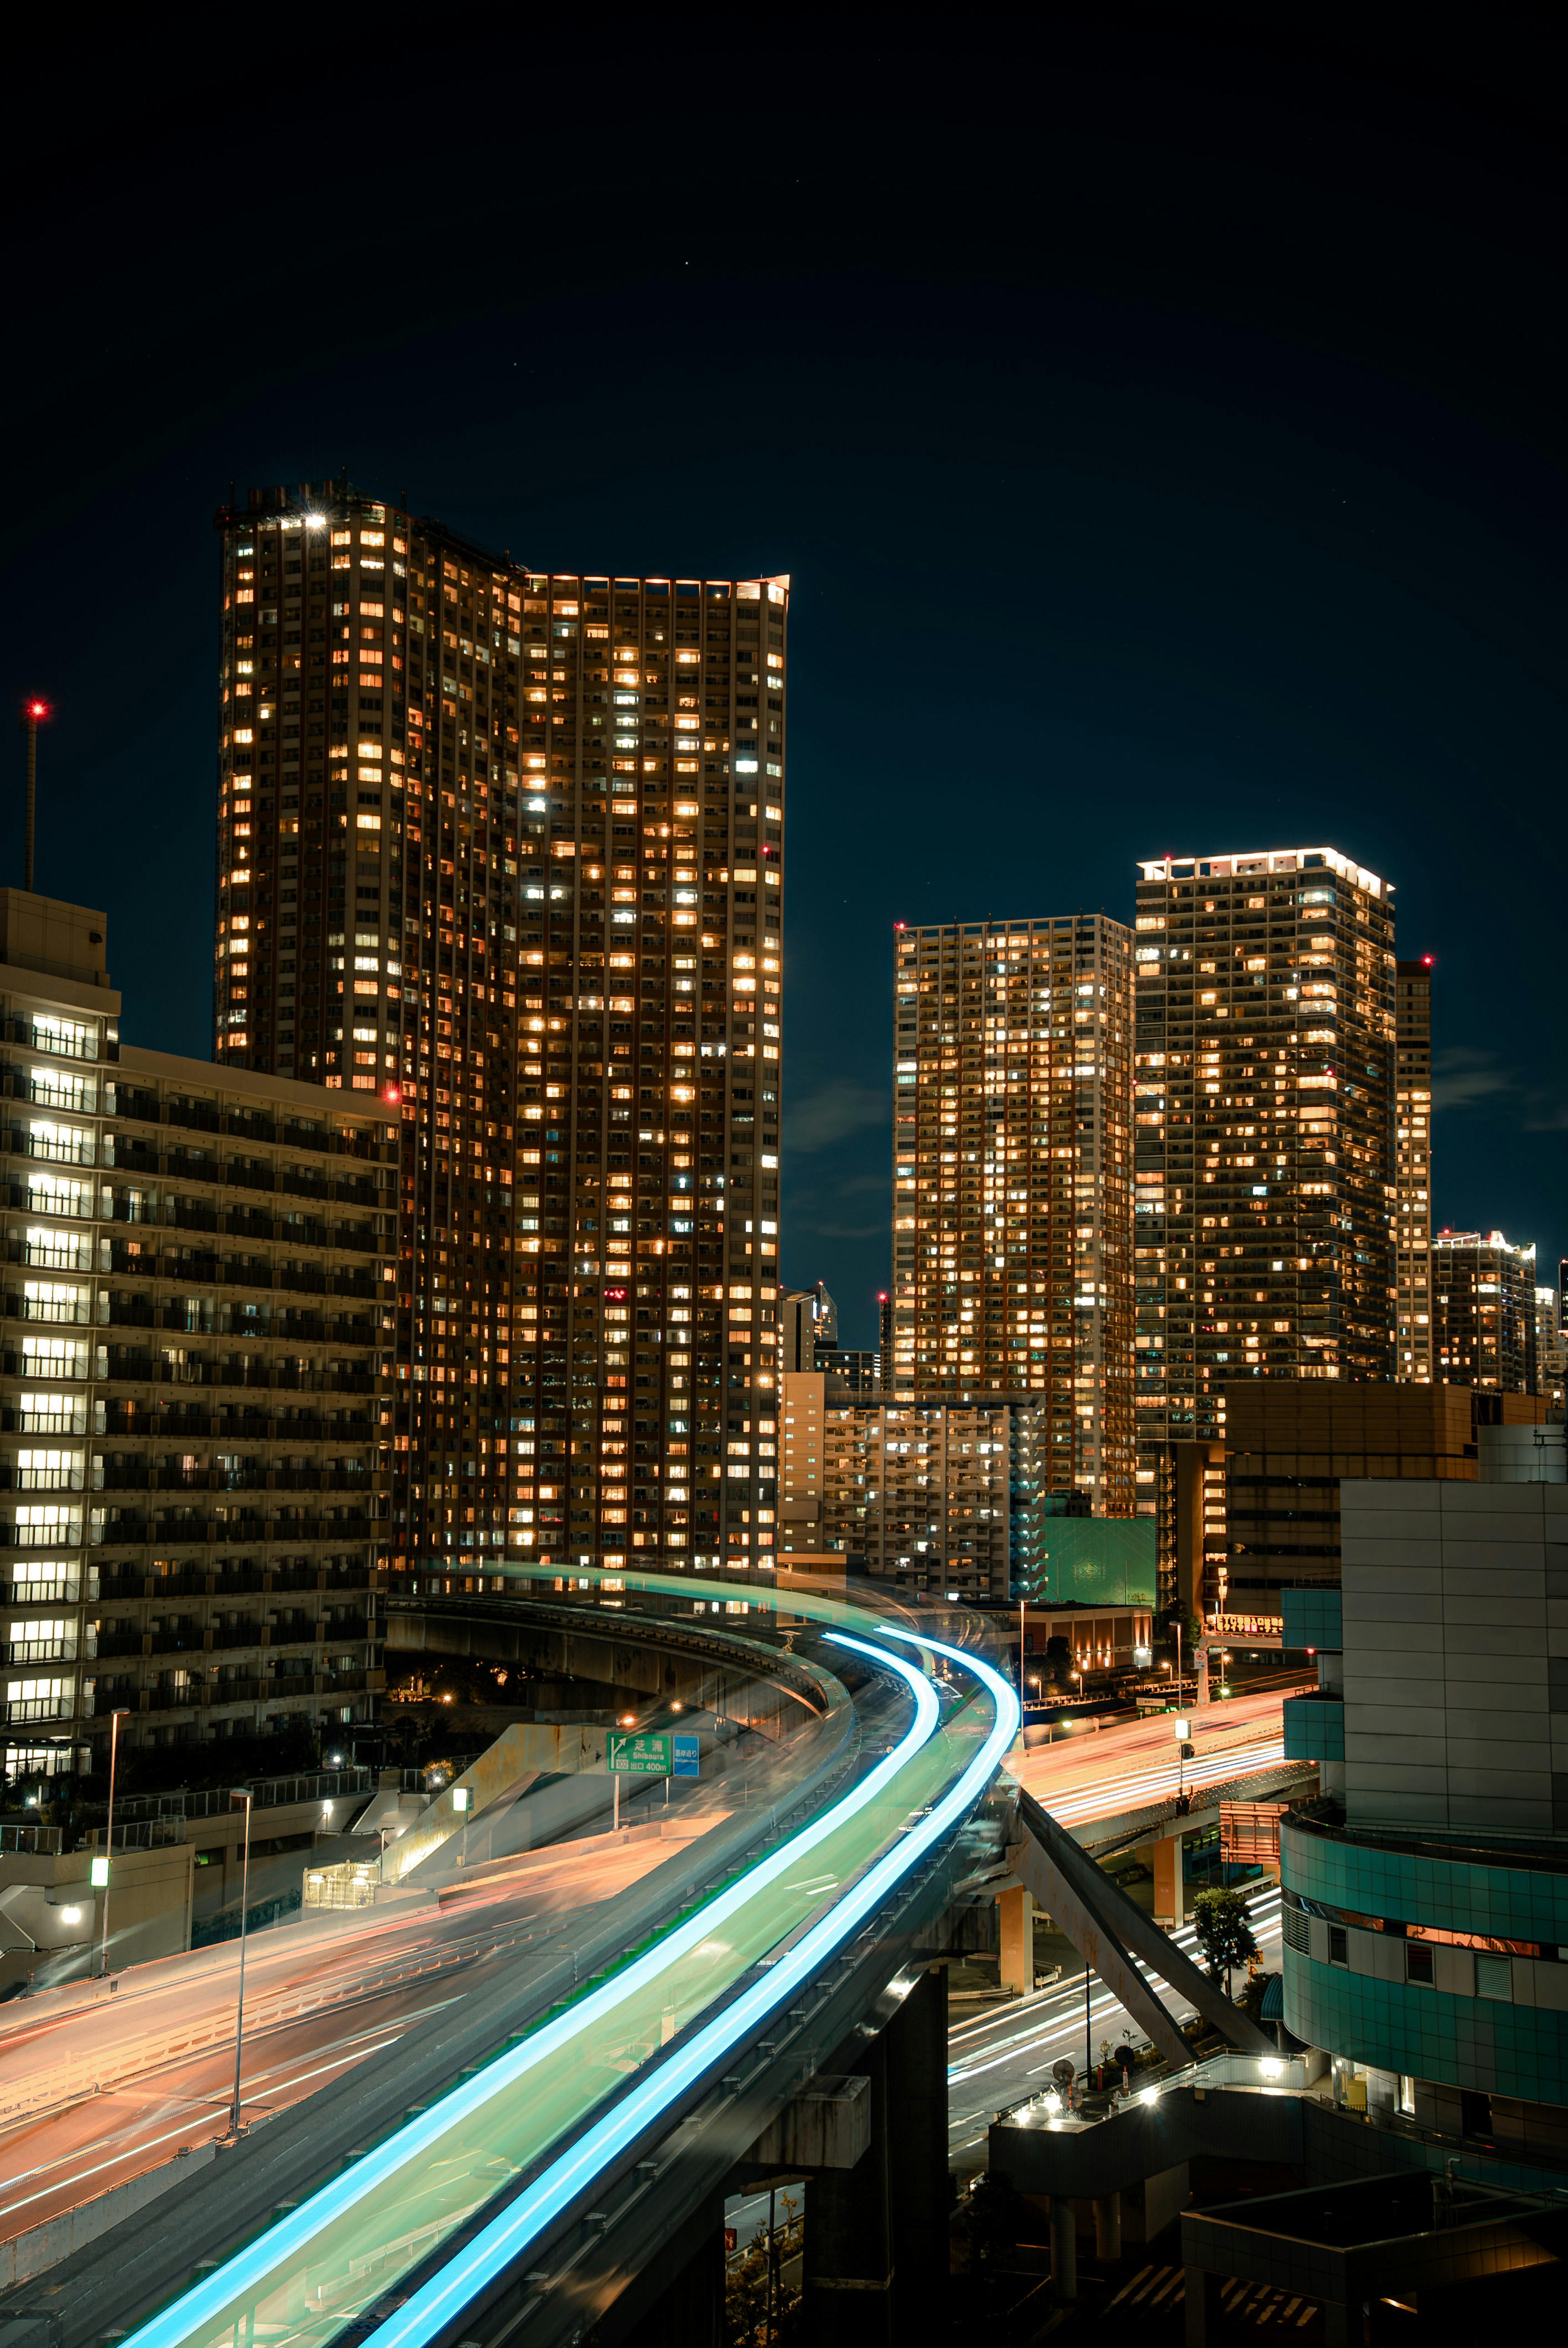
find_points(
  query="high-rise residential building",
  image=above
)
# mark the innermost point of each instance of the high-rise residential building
(808, 1321)
(936, 1497)
(1413, 1167)
(1266, 1173)
(196, 1387)
(1550, 1348)
(504, 847)
(1012, 1183)
(1483, 1313)
(853, 1367)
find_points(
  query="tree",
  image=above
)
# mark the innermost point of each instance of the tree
(1058, 1660)
(1224, 1932)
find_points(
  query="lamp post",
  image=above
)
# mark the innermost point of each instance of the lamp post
(115, 1719)
(1181, 1728)
(241, 1794)
(32, 709)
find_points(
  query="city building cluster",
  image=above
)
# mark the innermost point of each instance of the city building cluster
(464, 1251)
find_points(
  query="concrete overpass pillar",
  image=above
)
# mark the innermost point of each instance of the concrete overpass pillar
(917, 2041)
(1169, 1880)
(1108, 2225)
(847, 2264)
(1015, 1913)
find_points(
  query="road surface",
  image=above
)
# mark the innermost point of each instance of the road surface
(998, 2057)
(360, 2008)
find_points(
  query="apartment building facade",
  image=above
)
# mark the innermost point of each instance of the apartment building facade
(1265, 1121)
(506, 847)
(195, 1386)
(1484, 1311)
(1012, 1183)
(1413, 1167)
(939, 1498)
(1550, 1348)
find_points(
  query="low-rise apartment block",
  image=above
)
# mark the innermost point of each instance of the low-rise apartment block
(939, 1497)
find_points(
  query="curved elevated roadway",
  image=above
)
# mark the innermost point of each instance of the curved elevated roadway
(637, 2092)
(574, 2165)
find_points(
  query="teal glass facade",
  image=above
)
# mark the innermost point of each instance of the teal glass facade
(1313, 1618)
(1513, 2044)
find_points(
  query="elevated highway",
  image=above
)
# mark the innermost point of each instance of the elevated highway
(567, 2175)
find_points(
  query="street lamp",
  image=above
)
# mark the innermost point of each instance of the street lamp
(101, 1880)
(1181, 1728)
(241, 1794)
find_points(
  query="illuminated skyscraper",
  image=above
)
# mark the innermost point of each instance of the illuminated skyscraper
(1413, 1165)
(1550, 1348)
(1484, 1312)
(506, 849)
(1012, 1184)
(1265, 1100)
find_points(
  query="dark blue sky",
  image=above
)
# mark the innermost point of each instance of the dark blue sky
(1164, 438)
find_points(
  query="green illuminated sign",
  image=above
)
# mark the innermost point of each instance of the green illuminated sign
(637, 1756)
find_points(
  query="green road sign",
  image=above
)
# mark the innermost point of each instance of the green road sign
(637, 1756)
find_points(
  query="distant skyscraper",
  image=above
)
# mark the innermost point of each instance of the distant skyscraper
(1011, 1183)
(808, 1321)
(1483, 1324)
(1550, 1347)
(505, 849)
(1413, 1165)
(1265, 1130)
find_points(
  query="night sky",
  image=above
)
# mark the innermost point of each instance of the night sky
(1164, 437)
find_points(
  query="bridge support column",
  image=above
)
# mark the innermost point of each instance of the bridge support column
(1169, 1880)
(1063, 2248)
(847, 2264)
(1015, 1913)
(1108, 2225)
(917, 2192)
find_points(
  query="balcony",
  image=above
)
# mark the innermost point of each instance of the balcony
(67, 1040)
(75, 1310)
(56, 1252)
(42, 1479)
(42, 1651)
(62, 1148)
(80, 1201)
(66, 1593)
(71, 1418)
